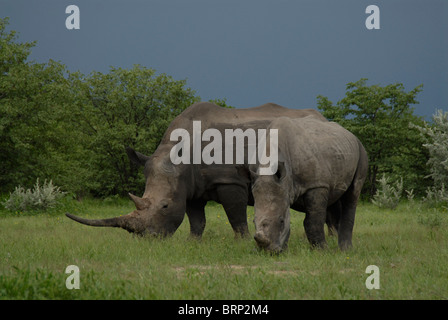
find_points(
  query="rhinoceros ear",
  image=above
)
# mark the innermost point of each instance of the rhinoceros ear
(140, 203)
(253, 171)
(136, 157)
(247, 172)
(281, 170)
(243, 172)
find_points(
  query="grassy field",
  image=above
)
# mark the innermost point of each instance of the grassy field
(409, 248)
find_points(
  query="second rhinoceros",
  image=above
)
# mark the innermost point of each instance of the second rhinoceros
(321, 170)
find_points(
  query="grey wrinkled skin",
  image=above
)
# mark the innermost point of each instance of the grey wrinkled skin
(173, 190)
(321, 170)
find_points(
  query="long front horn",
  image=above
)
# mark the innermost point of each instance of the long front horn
(111, 222)
(129, 222)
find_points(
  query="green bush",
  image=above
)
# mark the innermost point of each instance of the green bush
(380, 116)
(436, 197)
(388, 195)
(436, 142)
(41, 197)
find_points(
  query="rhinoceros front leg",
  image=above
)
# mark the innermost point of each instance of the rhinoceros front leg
(234, 200)
(316, 201)
(196, 216)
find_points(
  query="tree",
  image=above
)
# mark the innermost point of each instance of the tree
(31, 95)
(119, 109)
(436, 142)
(12, 56)
(221, 103)
(380, 117)
(73, 129)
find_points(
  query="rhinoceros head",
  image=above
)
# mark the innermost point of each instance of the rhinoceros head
(161, 210)
(271, 208)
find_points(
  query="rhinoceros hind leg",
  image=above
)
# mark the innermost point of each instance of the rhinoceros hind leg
(333, 217)
(347, 220)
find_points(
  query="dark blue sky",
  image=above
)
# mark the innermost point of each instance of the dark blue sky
(250, 51)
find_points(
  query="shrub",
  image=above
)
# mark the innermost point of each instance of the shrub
(431, 218)
(41, 197)
(436, 197)
(436, 136)
(410, 195)
(388, 195)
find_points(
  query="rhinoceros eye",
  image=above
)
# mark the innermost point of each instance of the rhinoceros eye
(282, 223)
(163, 209)
(164, 204)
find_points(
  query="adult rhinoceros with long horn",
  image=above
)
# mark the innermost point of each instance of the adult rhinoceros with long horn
(173, 189)
(321, 171)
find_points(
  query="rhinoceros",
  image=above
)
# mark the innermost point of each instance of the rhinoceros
(173, 189)
(321, 165)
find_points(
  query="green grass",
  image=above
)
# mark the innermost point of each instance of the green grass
(410, 251)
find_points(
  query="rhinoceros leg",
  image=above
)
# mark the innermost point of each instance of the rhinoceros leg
(333, 216)
(347, 220)
(349, 202)
(196, 216)
(234, 200)
(315, 214)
